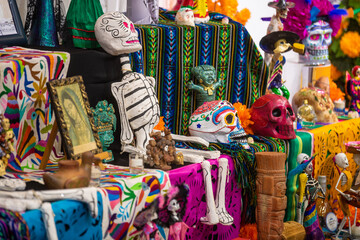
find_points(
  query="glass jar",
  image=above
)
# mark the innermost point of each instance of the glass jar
(136, 163)
(95, 175)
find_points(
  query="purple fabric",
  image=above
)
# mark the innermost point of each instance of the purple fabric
(196, 207)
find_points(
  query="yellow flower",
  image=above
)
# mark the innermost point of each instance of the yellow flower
(335, 73)
(243, 16)
(349, 44)
(40, 90)
(244, 117)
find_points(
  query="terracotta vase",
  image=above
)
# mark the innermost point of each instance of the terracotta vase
(270, 191)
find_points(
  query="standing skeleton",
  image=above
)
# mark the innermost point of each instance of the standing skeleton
(138, 106)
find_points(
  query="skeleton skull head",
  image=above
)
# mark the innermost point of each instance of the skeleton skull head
(318, 41)
(341, 160)
(217, 121)
(116, 34)
(304, 157)
(273, 116)
(173, 205)
(185, 16)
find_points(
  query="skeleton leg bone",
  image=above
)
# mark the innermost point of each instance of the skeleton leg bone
(49, 222)
(211, 217)
(224, 217)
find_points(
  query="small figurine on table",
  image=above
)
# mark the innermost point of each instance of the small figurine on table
(282, 8)
(6, 143)
(145, 221)
(277, 43)
(207, 83)
(308, 191)
(353, 89)
(346, 195)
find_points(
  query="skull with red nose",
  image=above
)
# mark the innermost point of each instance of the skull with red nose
(273, 116)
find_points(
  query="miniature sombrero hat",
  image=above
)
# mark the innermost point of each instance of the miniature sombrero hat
(267, 43)
(281, 4)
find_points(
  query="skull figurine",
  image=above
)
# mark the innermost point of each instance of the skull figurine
(217, 121)
(317, 42)
(273, 116)
(113, 40)
(185, 16)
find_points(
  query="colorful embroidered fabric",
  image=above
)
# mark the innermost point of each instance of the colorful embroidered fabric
(196, 206)
(170, 51)
(13, 226)
(25, 100)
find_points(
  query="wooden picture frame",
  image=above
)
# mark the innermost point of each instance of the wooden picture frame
(74, 116)
(11, 28)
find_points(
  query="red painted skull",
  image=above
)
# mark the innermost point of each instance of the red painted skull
(273, 116)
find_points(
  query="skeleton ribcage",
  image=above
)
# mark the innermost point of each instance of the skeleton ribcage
(140, 102)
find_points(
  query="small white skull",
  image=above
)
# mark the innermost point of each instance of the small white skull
(318, 41)
(217, 121)
(185, 16)
(341, 160)
(116, 34)
(173, 205)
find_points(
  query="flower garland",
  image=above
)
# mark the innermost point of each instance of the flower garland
(229, 8)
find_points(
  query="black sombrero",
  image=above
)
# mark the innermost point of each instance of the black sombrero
(267, 43)
(281, 4)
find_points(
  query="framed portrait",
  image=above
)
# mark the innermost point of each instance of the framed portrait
(11, 28)
(74, 116)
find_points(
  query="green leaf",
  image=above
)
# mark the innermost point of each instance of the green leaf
(137, 186)
(46, 129)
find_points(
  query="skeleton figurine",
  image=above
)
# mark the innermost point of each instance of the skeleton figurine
(278, 43)
(282, 8)
(217, 121)
(317, 42)
(308, 191)
(207, 84)
(138, 105)
(346, 194)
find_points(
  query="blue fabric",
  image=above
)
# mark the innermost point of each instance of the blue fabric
(72, 218)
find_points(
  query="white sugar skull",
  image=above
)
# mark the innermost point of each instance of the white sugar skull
(185, 16)
(318, 41)
(116, 34)
(217, 121)
(173, 205)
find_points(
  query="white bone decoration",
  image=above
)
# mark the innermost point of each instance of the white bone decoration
(135, 94)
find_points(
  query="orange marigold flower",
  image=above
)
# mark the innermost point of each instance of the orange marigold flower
(243, 16)
(349, 44)
(335, 73)
(350, 12)
(335, 92)
(161, 125)
(244, 117)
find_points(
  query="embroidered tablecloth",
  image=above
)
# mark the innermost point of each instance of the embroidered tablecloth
(128, 194)
(25, 101)
(170, 51)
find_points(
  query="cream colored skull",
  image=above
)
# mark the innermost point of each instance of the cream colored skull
(116, 34)
(341, 160)
(185, 16)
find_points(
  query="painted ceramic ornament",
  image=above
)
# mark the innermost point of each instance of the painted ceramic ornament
(138, 105)
(217, 121)
(105, 122)
(353, 89)
(320, 101)
(200, 8)
(317, 42)
(273, 116)
(6, 143)
(185, 16)
(277, 43)
(207, 84)
(270, 191)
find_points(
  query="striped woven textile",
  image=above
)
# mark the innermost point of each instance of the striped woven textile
(170, 51)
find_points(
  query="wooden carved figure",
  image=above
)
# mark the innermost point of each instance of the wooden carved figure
(138, 105)
(207, 84)
(270, 191)
(278, 43)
